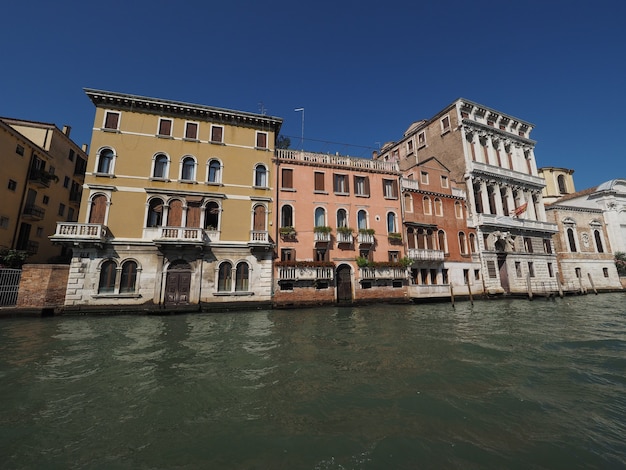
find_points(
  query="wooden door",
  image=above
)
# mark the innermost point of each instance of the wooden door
(98, 209)
(259, 218)
(175, 214)
(344, 284)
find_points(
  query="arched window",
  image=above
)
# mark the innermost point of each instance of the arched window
(410, 237)
(106, 285)
(211, 216)
(188, 169)
(421, 239)
(286, 216)
(224, 279)
(215, 171)
(462, 244)
(155, 212)
(427, 206)
(98, 209)
(438, 207)
(472, 243)
(362, 219)
(241, 277)
(160, 166)
(320, 217)
(571, 239)
(561, 182)
(105, 161)
(441, 239)
(598, 239)
(392, 226)
(260, 176)
(408, 202)
(129, 277)
(342, 218)
(458, 210)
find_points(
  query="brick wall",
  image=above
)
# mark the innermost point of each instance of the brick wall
(42, 285)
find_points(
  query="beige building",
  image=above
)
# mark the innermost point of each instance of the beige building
(492, 155)
(42, 178)
(559, 183)
(177, 206)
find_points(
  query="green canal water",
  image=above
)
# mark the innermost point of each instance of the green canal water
(500, 384)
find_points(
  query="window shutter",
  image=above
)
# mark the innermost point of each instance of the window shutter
(261, 140)
(216, 134)
(394, 188)
(287, 178)
(347, 181)
(165, 127)
(112, 120)
(191, 132)
(335, 181)
(319, 181)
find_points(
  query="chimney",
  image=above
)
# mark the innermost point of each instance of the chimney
(85, 147)
(374, 155)
(66, 130)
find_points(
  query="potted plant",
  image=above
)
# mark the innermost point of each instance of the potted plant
(367, 231)
(287, 231)
(345, 230)
(362, 262)
(322, 229)
(395, 236)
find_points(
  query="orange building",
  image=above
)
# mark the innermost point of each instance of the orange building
(339, 230)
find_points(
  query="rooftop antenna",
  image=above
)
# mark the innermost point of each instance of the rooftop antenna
(302, 135)
(262, 109)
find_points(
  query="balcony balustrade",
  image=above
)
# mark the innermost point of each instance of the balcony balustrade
(40, 177)
(370, 273)
(366, 239)
(408, 183)
(345, 237)
(259, 237)
(336, 160)
(34, 212)
(513, 222)
(510, 176)
(419, 254)
(322, 237)
(296, 273)
(80, 233)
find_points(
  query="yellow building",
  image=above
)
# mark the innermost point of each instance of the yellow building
(176, 208)
(42, 177)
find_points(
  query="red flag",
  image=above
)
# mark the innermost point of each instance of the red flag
(520, 210)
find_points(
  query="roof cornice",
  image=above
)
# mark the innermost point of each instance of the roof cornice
(125, 101)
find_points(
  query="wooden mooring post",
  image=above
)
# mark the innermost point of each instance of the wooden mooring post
(469, 290)
(452, 295)
(595, 291)
(530, 288)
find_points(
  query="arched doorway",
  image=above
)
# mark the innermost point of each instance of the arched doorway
(178, 283)
(344, 283)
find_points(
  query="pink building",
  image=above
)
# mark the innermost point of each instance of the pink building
(339, 226)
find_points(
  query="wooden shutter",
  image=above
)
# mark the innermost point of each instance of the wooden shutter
(319, 181)
(175, 215)
(366, 185)
(165, 127)
(287, 178)
(112, 120)
(98, 209)
(191, 130)
(216, 134)
(193, 214)
(394, 188)
(261, 140)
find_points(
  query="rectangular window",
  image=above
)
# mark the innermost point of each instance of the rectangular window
(606, 272)
(71, 155)
(191, 130)
(547, 245)
(321, 255)
(61, 209)
(433, 276)
(4, 222)
(287, 178)
(550, 270)
(409, 146)
(491, 269)
(319, 181)
(390, 189)
(362, 185)
(287, 254)
(39, 232)
(340, 184)
(444, 181)
(261, 140)
(217, 134)
(444, 276)
(12, 185)
(421, 139)
(528, 244)
(111, 120)
(445, 124)
(66, 182)
(424, 177)
(531, 269)
(46, 200)
(19, 150)
(394, 256)
(165, 127)
(579, 273)
(477, 274)
(518, 269)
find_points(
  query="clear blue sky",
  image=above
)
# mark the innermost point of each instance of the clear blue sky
(363, 71)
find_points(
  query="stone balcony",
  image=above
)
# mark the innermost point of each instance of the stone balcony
(297, 273)
(260, 239)
(419, 254)
(365, 239)
(75, 233)
(510, 176)
(371, 273)
(504, 221)
(322, 237)
(345, 238)
(180, 236)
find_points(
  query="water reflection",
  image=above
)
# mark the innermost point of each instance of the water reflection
(507, 384)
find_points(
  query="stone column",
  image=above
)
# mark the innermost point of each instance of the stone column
(484, 197)
(497, 197)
